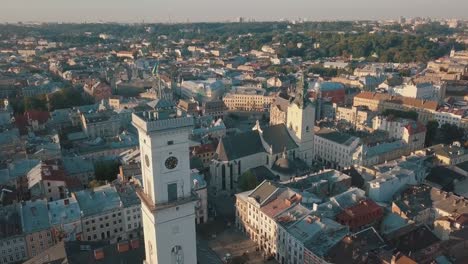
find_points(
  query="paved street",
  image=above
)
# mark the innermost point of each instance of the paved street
(241, 248)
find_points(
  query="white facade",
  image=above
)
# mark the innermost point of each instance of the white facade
(132, 218)
(340, 154)
(448, 117)
(105, 226)
(394, 127)
(420, 91)
(168, 206)
(300, 122)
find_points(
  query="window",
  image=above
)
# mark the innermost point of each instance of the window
(172, 192)
(170, 142)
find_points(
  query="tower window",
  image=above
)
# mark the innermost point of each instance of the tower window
(170, 142)
(172, 192)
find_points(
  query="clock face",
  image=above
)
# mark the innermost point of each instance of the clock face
(171, 163)
(147, 161)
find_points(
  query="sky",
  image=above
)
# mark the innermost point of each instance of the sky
(224, 10)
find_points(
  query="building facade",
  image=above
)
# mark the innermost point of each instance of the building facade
(168, 204)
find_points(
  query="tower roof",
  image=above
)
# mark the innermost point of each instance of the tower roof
(301, 98)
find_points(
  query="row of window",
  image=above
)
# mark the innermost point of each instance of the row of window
(10, 259)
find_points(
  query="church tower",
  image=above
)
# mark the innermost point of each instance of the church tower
(300, 121)
(167, 202)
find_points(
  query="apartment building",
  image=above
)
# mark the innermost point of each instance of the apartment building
(108, 212)
(248, 99)
(359, 117)
(379, 102)
(335, 148)
(12, 242)
(36, 227)
(273, 216)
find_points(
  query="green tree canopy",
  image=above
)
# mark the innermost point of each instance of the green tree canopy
(431, 132)
(401, 114)
(106, 170)
(248, 181)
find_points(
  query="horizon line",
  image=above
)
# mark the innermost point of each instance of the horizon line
(246, 21)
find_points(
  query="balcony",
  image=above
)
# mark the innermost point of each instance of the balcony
(165, 205)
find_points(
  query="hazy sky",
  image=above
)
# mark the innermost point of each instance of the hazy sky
(221, 10)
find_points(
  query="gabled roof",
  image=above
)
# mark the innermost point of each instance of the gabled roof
(279, 137)
(263, 191)
(160, 103)
(249, 143)
(240, 145)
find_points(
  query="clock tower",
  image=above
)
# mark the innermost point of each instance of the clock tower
(168, 204)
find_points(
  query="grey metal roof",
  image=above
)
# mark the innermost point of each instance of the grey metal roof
(263, 191)
(250, 142)
(240, 145)
(279, 138)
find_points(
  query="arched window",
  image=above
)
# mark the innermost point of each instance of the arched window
(223, 177)
(177, 255)
(231, 177)
(307, 129)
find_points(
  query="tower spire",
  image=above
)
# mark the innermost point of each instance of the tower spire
(301, 91)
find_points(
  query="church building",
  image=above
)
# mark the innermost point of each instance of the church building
(284, 149)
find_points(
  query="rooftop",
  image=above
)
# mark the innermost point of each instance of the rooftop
(336, 136)
(64, 211)
(355, 247)
(75, 165)
(263, 191)
(98, 200)
(162, 119)
(407, 101)
(34, 216)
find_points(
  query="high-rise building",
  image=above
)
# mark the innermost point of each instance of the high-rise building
(168, 204)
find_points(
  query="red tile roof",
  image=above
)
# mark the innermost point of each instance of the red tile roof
(415, 128)
(407, 101)
(363, 213)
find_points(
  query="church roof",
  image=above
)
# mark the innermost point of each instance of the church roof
(240, 145)
(249, 143)
(279, 138)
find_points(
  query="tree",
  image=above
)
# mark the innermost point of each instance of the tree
(449, 133)
(401, 114)
(95, 183)
(106, 170)
(35, 103)
(431, 132)
(248, 181)
(67, 97)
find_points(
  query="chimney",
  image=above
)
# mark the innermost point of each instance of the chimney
(123, 247)
(315, 207)
(99, 254)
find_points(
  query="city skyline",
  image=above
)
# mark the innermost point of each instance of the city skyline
(212, 11)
